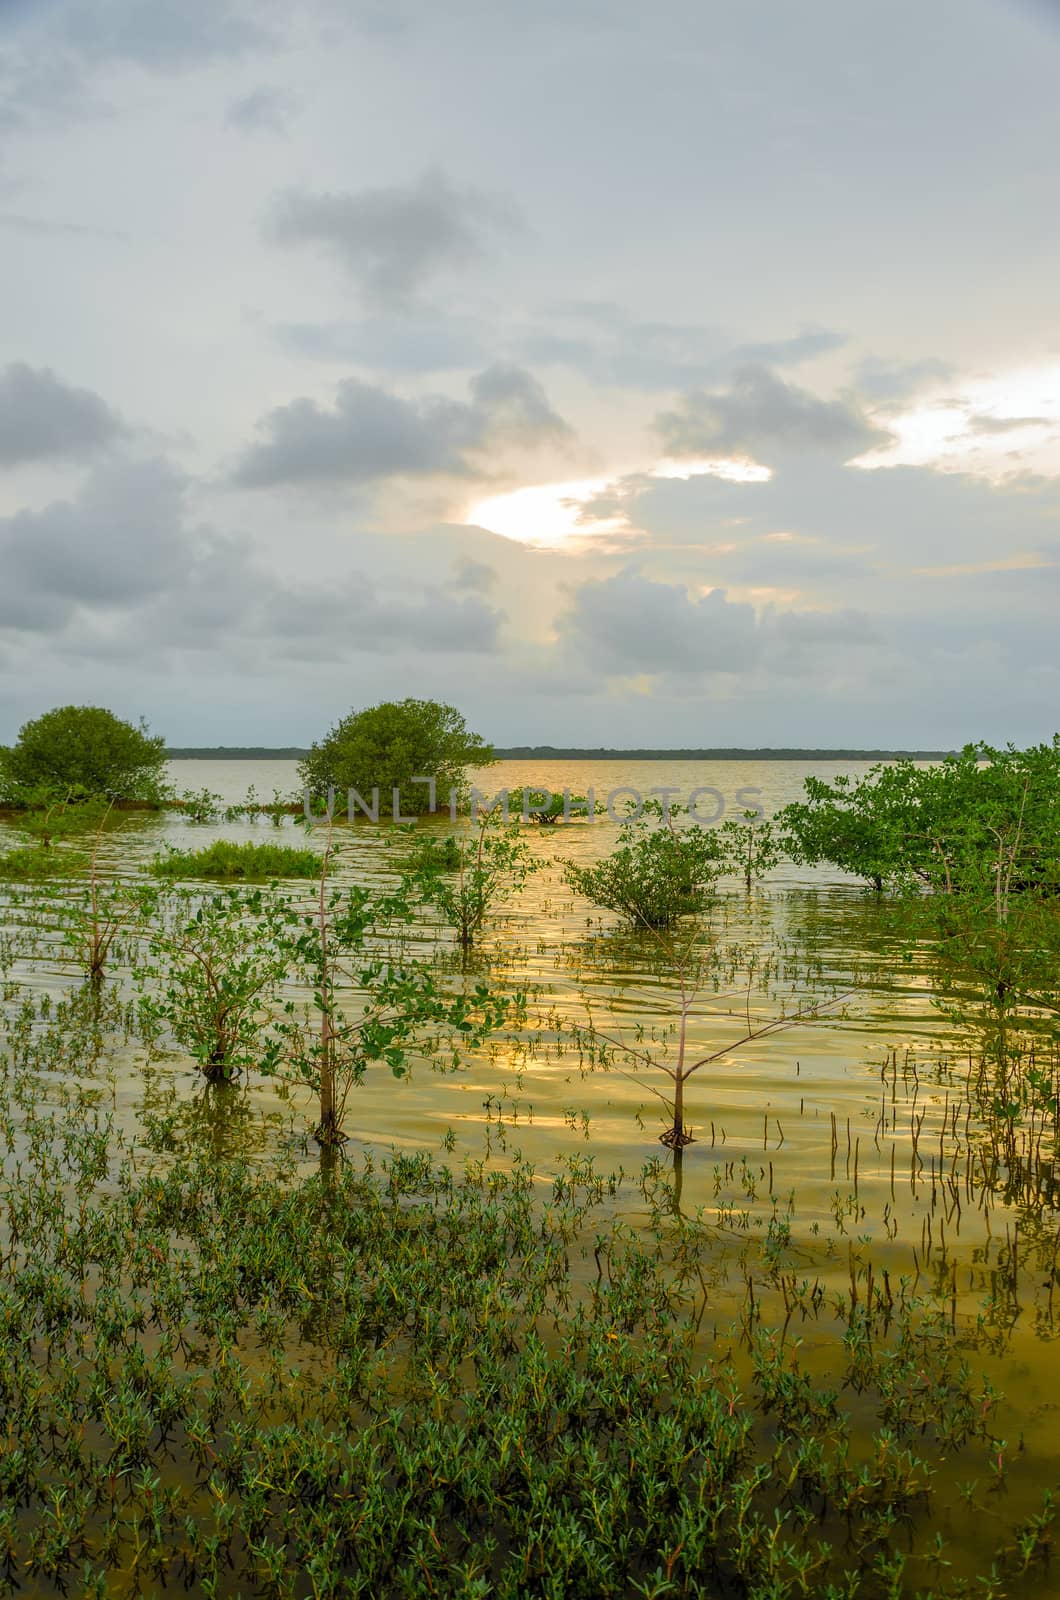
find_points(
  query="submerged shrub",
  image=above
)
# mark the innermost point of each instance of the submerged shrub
(390, 746)
(214, 965)
(655, 876)
(464, 878)
(85, 750)
(254, 863)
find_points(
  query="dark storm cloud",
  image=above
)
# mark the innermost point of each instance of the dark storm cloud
(370, 434)
(392, 241)
(629, 624)
(42, 418)
(758, 413)
(361, 613)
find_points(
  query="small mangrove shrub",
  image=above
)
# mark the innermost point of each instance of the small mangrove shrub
(656, 875)
(372, 1002)
(214, 965)
(465, 878)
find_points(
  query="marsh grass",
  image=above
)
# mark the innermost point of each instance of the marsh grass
(400, 1380)
(249, 862)
(38, 863)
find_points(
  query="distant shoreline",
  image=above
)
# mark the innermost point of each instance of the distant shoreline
(548, 752)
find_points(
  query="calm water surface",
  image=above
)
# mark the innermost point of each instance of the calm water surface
(856, 1129)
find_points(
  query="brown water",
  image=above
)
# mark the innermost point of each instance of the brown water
(856, 1129)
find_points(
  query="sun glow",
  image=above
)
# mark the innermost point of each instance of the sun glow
(993, 427)
(550, 515)
(546, 514)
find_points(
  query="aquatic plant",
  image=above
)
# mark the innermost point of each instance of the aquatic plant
(465, 878)
(251, 862)
(902, 824)
(753, 847)
(694, 966)
(214, 963)
(402, 1382)
(92, 924)
(655, 876)
(537, 805)
(200, 805)
(372, 1001)
(39, 863)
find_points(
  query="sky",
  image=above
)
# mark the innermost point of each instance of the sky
(675, 375)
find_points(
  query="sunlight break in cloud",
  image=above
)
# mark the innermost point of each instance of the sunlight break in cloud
(992, 427)
(550, 515)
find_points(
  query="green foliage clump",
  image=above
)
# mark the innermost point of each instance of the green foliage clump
(37, 863)
(83, 751)
(386, 746)
(657, 874)
(464, 878)
(249, 862)
(537, 805)
(752, 846)
(903, 825)
(213, 967)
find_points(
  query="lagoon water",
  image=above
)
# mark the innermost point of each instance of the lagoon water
(571, 955)
(840, 1126)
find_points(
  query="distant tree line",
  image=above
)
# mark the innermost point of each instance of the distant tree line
(551, 752)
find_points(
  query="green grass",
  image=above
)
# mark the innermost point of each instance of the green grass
(35, 863)
(247, 863)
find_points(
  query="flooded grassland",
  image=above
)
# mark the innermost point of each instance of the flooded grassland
(505, 1341)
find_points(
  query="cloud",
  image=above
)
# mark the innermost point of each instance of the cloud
(263, 110)
(371, 434)
(53, 50)
(392, 241)
(759, 413)
(981, 423)
(42, 418)
(122, 572)
(362, 614)
(771, 559)
(630, 625)
(895, 381)
(49, 228)
(157, 37)
(408, 341)
(478, 576)
(117, 543)
(601, 340)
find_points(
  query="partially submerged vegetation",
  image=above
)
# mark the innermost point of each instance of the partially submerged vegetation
(306, 1371)
(249, 862)
(407, 1382)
